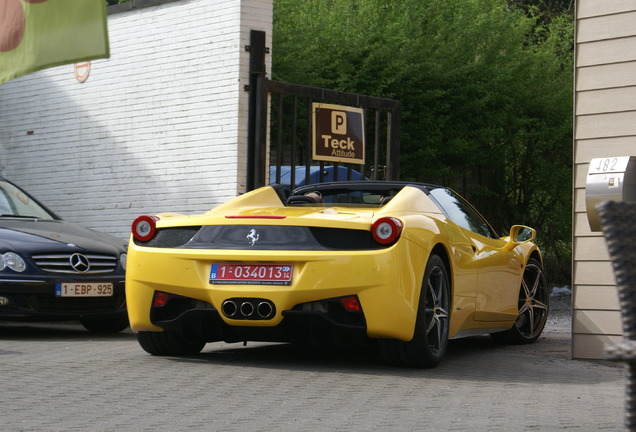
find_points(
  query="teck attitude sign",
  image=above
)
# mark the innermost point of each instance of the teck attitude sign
(338, 133)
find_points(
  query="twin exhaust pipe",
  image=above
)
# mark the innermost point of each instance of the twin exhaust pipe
(248, 309)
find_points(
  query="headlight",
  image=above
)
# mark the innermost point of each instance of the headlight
(122, 260)
(13, 261)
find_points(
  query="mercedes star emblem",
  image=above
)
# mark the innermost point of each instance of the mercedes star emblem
(79, 263)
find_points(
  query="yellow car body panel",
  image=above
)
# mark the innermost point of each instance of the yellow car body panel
(389, 298)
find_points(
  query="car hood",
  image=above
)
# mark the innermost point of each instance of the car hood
(39, 235)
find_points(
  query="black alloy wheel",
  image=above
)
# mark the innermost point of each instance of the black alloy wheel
(430, 339)
(437, 305)
(534, 296)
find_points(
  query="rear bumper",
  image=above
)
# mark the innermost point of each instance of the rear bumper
(325, 323)
(386, 282)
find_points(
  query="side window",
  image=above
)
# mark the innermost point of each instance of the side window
(5, 203)
(15, 202)
(461, 213)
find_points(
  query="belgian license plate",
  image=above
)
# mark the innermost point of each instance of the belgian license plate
(84, 289)
(251, 274)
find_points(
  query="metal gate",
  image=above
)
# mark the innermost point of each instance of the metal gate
(280, 131)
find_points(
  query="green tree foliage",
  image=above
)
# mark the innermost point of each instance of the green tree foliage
(486, 88)
(548, 10)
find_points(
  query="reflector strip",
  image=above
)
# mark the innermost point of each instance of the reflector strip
(351, 304)
(160, 299)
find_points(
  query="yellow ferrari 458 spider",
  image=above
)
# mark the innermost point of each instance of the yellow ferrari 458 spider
(403, 265)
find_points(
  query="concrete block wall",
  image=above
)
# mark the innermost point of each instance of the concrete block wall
(159, 126)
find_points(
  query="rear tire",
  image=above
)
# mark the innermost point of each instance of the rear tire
(428, 346)
(534, 296)
(105, 325)
(168, 343)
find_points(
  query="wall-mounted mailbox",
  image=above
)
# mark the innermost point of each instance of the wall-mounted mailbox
(609, 179)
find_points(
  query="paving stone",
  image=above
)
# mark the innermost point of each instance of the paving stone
(58, 377)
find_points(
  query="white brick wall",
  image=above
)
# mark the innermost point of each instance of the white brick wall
(160, 126)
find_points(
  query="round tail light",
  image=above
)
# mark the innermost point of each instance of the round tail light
(386, 230)
(144, 228)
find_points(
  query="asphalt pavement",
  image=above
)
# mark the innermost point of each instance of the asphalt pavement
(58, 377)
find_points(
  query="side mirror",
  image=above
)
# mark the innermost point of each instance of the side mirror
(521, 234)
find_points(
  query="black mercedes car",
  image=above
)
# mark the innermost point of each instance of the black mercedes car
(52, 270)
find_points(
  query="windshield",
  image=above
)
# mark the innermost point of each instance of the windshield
(16, 203)
(346, 194)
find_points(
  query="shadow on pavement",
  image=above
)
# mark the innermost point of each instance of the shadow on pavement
(475, 359)
(54, 331)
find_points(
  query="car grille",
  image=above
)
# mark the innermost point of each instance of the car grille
(62, 263)
(76, 305)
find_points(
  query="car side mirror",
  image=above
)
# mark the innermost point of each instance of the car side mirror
(521, 234)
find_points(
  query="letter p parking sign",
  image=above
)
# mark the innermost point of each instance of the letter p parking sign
(339, 122)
